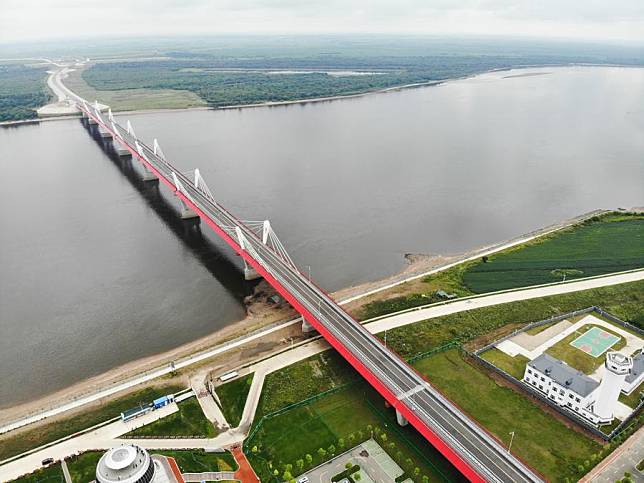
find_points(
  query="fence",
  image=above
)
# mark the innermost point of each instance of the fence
(538, 395)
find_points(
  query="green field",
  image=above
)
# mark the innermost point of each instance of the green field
(613, 244)
(188, 421)
(82, 468)
(605, 244)
(515, 366)
(51, 474)
(305, 379)
(23, 89)
(232, 396)
(540, 439)
(335, 423)
(134, 99)
(13, 444)
(577, 358)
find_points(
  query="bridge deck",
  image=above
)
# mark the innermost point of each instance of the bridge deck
(472, 450)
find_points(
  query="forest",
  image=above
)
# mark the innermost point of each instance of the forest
(22, 91)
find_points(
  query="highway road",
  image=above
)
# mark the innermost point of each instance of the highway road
(469, 447)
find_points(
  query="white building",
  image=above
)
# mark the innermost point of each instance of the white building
(635, 378)
(579, 393)
(129, 463)
(618, 366)
(564, 385)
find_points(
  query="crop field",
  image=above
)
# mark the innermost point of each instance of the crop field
(612, 244)
(605, 244)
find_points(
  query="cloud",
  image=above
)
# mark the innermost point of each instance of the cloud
(598, 19)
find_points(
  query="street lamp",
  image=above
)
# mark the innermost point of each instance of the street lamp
(309, 267)
(511, 439)
(385, 337)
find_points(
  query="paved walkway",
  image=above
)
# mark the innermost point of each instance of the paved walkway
(68, 477)
(245, 473)
(623, 459)
(208, 405)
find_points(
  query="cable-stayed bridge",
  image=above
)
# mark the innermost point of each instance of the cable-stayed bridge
(475, 453)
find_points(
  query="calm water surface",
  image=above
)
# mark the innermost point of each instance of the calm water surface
(96, 270)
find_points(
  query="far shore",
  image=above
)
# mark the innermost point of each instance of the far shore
(314, 100)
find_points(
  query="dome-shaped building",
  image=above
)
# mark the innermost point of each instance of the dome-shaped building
(125, 464)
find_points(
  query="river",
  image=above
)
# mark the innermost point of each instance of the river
(98, 271)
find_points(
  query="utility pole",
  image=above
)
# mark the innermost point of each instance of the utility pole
(309, 267)
(511, 440)
(385, 337)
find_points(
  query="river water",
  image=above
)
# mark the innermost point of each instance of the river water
(96, 269)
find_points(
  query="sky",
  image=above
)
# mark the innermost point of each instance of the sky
(36, 20)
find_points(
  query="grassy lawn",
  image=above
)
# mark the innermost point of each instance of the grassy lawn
(626, 301)
(541, 440)
(334, 423)
(233, 398)
(610, 244)
(515, 366)
(188, 421)
(633, 399)
(303, 380)
(17, 442)
(51, 474)
(198, 461)
(577, 358)
(605, 244)
(82, 468)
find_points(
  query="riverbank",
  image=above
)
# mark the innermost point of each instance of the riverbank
(260, 316)
(431, 83)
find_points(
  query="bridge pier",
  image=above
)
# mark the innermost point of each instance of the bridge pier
(104, 133)
(122, 151)
(150, 176)
(186, 211)
(250, 273)
(307, 327)
(402, 420)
